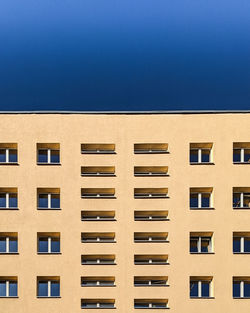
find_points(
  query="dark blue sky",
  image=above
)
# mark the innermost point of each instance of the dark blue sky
(124, 54)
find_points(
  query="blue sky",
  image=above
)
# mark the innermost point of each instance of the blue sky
(124, 55)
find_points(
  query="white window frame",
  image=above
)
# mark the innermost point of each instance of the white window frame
(48, 155)
(242, 283)
(49, 194)
(200, 289)
(241, 200)
(7, 155)
(200, 199)
(49, 288)
(7, 199)
(200, 155)
(49, 244)
(7, 282)
(7, 238)
(210, 246)
(242, 243)
(242, 154)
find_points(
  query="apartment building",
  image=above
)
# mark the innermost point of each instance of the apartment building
(127, 212)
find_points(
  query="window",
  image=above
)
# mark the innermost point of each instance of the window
(241, 242)
(98, 148)
(151, 170)
(48, 287)
(145, 193)
(201, 153)
(150, 281)
(151, 303)
(98, 281)
(101, 193)
(151, 215)
(98, 259)
(241, 287)
(48, 243)
(241, 152)
(144, 148)
(98, 215)
(48, 198)
(98, 303)
(8, 153)
(8, 287)
(98, 237)
(241, 198)
(98, 171)
(8, 243)
(159, 259)
(201, 242)
(48, 153)
(201, 287)
(201, 198)
(8, 198)
(150, 237)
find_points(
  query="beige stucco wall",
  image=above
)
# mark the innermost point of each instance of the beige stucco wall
(124, 130)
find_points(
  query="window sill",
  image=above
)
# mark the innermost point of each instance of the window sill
(52, 164)
(41, 297)
(151, 152)
(202, 298)
(241, 208)
(152, 197)
(151, 220)
(241, 163)
(11, 209)
(102, 241)
(101, 197)
(9, 253)
(150, 175)
(203, 208)
(151, 285)
(99, 263)
(98, 220)
(241, 252)
(98, 175)
(152, 308)
(51, 209)
(96, 308)
(49, 253)
(202, 163)
(11, 297)
(99, 286)
(9, 163)
(202, 253)
(149, 241)
(99, 152)
(241, 298)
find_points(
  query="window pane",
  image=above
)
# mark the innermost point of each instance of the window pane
(2, 245)
(13, 200)
(246, 155)
(2, 200)
(246, 289)
(55, 245)
(205, 244)
(12, 155)
(158, 305)
(13, 245)
(55, 201)
(236, 200)
(193, 200)
(236, 289)
(246, 200)
(236, 155)
(194, 245)
(2, 289)
(55, 156)
(194, 289)
(205, 289)
(247, 244)
(55, 289)
(205, 200)
(2, 155)
(43, 245)
(13, 289)
(43, 201)
(193, 157)
(205, 156)
(236, 244)
(42, 289)
(42, 156)
(106, 305)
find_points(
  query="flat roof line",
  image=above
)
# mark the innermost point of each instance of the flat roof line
(131, 112)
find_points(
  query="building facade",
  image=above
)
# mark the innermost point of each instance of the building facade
(125, 212)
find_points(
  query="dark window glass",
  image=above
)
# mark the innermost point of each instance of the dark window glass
(43, 289)
(13, 245)
(13, 200)
(246, 200)
(55, 289)
(205, 289)
(2, 155)
(106, 305)
(236, 200)
(2, 289)
(193, 157)
(55, 201)
(13, 289)
(2, 200)
(55, 245)
(194, 289)
(13, 155)
(194, 244)
(246, 155)
(236, 155)
(247, 289)
(205, 200)
(42, 156)
(43, 245)
(3, 245)
(236, 244)
(205, 156)
(205, 245)
(141, 305)
(43, 201)
(158, 305)
(247, 244)
(236, 289)
(193, 200)
(55, 156)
